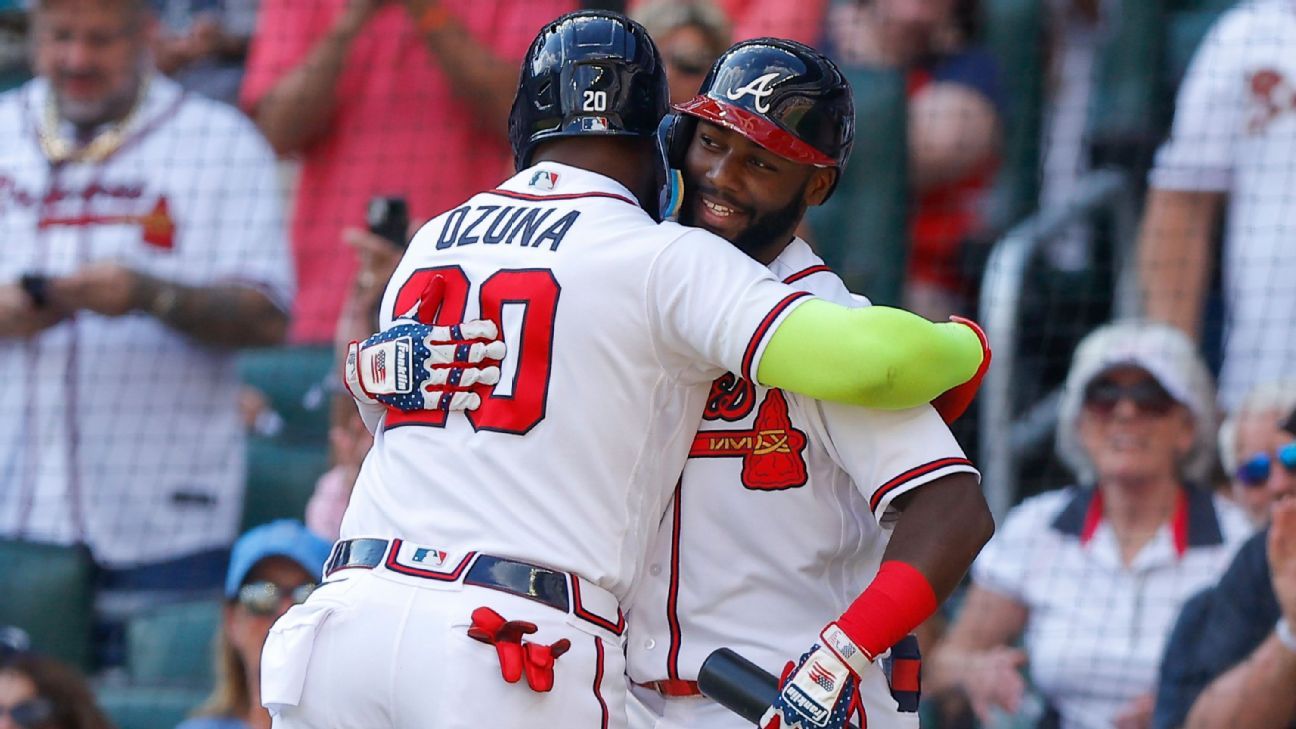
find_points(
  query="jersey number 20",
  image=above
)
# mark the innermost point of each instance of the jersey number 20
(517, 403)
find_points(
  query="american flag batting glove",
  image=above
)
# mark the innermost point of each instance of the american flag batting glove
(822, 691)
(414, 366)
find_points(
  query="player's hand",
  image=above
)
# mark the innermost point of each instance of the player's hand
(417, 366)
(105, 288)
(822, 691)
(953, 402)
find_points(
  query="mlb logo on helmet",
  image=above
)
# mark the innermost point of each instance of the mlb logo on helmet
(594, 124)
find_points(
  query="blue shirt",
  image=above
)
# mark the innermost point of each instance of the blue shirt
(214, 722)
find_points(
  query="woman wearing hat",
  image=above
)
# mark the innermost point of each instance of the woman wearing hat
(1091, 577)
(272, 567)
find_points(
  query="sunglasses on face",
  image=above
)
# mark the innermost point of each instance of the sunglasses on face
(29, 714)
(264, 598)
(1255, 472)
(1102, 397)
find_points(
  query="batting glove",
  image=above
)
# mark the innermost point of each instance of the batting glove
(416, 366)
(822, 691)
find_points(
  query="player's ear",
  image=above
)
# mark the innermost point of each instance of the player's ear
(822, 181)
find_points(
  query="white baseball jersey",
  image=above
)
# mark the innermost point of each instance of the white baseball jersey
(1235, 131)
(779, 521)
(615, 327)
(120, 432)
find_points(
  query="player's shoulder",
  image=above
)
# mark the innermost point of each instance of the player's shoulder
(799, 266)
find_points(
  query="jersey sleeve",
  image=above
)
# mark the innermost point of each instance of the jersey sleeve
(1209, 114)
(708, 302)
(886, 453)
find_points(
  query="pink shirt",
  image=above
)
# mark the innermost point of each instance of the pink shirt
(801, 21)
(398, 129)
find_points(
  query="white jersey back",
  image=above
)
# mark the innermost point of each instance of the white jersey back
(780, 518)
(615, 325)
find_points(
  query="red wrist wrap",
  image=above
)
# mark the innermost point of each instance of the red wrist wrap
(898, 600)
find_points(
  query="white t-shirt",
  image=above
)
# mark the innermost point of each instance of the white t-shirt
(780, 518)
(120, 432)
(1096, 629)
(1235, 132)
(616, 326)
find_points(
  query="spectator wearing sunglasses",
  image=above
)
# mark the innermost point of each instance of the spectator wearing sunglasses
(272, 567)
(1091, 577)
(1257, 454)
(38, 692)
(690, 36)
(1231, 660)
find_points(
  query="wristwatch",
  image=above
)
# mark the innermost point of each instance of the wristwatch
(1284, 633)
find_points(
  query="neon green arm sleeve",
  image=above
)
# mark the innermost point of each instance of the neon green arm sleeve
(874, 356)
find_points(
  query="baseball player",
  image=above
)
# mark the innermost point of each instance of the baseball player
(485, 555)
(819, 500)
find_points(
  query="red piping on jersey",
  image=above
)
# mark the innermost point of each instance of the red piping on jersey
(672, 595)
(618, 627)
(598, 680)
(570, 196)
(762, 330)
(821, 268)
(910, 475)
(392, 565)
(1178, 521)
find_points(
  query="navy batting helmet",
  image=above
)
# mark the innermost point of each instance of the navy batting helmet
(783, 95)
(587, 73)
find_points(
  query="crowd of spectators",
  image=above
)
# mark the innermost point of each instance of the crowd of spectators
(184, 179)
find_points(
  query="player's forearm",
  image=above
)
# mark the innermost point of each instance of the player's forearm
(227, 315)
(1175, 256)
(297, 109)
(873, 356)
(1255, 694)
(476, 74)
(942, 527)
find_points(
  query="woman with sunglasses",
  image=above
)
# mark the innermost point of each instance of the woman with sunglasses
(1091, 577)
(38, 692)
(272, 567)
(1258, 455)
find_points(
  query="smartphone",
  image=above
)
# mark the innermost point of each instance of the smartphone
(388, 217)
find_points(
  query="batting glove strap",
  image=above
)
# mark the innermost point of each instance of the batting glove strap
(835, 639)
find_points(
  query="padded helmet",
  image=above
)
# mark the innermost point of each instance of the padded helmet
(783, 95)
(587, 73)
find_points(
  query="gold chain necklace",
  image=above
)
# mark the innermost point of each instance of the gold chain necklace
(105, 143)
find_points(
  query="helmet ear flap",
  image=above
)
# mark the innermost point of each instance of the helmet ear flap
(676, 135)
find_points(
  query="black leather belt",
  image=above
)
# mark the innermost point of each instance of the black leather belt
(541, 584)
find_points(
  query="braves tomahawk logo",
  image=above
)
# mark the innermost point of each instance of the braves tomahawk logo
(772, 450)
(761, 88)
(1272, 95)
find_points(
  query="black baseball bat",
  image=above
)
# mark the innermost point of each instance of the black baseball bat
(737, 684)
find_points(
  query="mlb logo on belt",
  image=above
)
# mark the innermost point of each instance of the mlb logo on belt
(425, 555)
